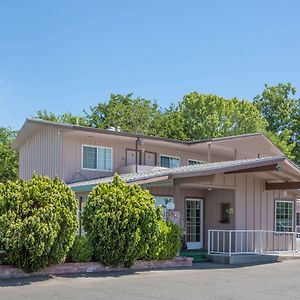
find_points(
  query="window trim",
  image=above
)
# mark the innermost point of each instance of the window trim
(170, 156)
(197, 160)
(95, 146)
(293, 215)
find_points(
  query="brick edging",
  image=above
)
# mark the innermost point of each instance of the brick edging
(8, 271)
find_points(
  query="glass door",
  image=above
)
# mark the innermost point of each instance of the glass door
(194, 223)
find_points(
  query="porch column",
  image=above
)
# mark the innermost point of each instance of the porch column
(179, 203)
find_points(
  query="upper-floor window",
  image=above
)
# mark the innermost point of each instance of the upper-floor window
(195, 162)
(284, 216)
(97, 158)
(167, 161)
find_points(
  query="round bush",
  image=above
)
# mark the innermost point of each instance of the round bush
(121, 221)
(167, 243)
(82, 250)
(38, 221)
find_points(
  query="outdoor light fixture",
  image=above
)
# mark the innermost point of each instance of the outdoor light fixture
(284, 193)
(170, 205)
(138, 142)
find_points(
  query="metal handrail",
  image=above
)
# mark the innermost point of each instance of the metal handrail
(238, 241)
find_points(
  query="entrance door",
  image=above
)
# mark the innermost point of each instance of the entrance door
(130, 157)
(150, 158)
(194, 223)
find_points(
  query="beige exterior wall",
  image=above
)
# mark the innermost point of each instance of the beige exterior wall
(72, 155)
(42, 153)
(211, 205)
(255, 207)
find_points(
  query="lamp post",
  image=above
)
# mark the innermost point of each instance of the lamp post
(138, 142)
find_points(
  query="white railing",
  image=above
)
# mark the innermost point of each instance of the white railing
(230, 242)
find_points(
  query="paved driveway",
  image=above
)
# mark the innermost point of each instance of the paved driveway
(205, 281)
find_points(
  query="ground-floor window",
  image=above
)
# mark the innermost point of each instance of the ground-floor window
(284, 216)
(163, 201)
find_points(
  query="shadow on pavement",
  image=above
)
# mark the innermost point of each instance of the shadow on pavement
(115, 274)
(23, 281)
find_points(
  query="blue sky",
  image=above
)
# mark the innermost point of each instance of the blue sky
(68, 55)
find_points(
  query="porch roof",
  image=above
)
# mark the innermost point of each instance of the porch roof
(161, 174)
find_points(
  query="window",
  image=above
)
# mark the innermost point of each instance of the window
(97, 158)
(195, 162)
(284, 216)
(298, 219)
(169, 161)
(162, 201)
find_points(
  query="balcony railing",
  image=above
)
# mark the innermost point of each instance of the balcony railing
(231, 242)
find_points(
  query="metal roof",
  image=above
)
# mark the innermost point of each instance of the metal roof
(26, 128)
(184, 171)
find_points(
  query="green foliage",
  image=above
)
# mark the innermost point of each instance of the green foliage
(209, 116)
(9, 160)
(120, 221)
(81, 251)
(281, 110)
(64, 118)
(199, 116)
(136, 115)
(168, 242)
(38, 221)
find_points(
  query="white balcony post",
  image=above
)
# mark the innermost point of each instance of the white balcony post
(229, 243)
(208, 241)
(259, 242)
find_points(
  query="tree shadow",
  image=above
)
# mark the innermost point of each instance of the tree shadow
(22, 281)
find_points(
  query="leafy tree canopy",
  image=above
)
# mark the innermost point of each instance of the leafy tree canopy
(199, 116)
(209, 116)
(136, 115)
(278, 105)
(64, 118)
(8, 156)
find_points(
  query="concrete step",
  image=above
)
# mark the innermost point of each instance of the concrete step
(242, 259)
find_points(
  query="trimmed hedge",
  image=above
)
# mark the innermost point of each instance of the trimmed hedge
(38, 221)
(82, 250)
(167, 243)
(121, 221)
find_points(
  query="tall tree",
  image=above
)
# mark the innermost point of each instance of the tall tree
(64, 118)
(209, 116)
(9, 159)
(281, 109)
(136, 115)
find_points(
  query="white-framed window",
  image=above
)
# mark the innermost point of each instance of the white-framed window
(96, 158)
(163, 201)
(168, 161)
(284, 215)
(195, 162)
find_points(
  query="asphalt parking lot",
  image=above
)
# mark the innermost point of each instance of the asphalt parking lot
(203, 281)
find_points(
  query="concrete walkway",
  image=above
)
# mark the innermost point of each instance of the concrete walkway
(202, 281)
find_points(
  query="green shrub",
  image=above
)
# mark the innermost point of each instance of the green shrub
(82, 250)
(167, 243)
(121, 221)
(38, 221)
